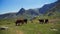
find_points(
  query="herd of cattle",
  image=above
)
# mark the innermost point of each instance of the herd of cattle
(18, 22)
(22, 21)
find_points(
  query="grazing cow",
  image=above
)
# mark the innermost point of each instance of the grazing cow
(18, 22)
(41, 21)
(46, 20)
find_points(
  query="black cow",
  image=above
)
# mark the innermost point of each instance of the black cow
(46, 20)
(18, 22)
(41, 21)
(25, 20)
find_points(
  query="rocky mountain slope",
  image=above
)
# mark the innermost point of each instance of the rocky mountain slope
(48, 9)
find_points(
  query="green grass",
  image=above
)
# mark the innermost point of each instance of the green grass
(29, 28)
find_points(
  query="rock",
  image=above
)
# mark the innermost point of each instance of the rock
(3, 28)
(54, 29)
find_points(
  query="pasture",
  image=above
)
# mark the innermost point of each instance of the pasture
(30, 28)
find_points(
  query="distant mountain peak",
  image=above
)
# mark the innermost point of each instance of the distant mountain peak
(21, 11)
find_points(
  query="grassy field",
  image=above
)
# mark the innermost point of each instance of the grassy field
(30, 28)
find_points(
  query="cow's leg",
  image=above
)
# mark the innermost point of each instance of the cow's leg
(16, 24)
(19, 23)
(22, 22)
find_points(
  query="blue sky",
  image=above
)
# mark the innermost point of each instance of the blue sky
(7, 6)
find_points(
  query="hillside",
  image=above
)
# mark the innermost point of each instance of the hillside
(55, 11)
(49, 9)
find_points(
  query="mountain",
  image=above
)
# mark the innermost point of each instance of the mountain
(21, 11)
(32, 12)
(8, 15)
(48, 9)
(55, 10)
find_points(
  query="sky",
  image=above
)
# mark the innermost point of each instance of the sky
(8, 6)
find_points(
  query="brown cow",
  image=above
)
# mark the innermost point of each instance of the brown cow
(18, 22)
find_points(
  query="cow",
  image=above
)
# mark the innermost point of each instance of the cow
(46, 20)
(22, 21)
(25, 20)
(41, 21)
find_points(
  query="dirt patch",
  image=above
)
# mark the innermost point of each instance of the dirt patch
(19, 32)
(53, 20)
